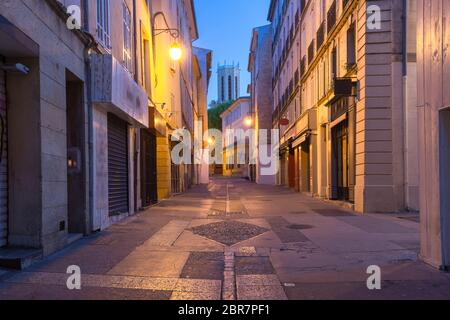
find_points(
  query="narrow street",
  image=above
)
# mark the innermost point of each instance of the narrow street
(237, 240)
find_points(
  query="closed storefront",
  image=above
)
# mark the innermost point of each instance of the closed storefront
(343, 149)
(3, 163)
(118, 192)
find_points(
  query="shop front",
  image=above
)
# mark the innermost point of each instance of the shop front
(343, 149)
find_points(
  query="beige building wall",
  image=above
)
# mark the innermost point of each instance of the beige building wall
(260, 67)
(173, 85)
(381, 120)
(203, 58)
(34, 33)
(134, 79)
(233, 120)
(287, 44)
(433, 74)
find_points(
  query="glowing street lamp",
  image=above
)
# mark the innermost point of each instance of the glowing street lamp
(175, 52)
(248, 121)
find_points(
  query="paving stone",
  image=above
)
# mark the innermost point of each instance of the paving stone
(258, 280)
(54, 293)
(100, 281)
(374, 225)
(151, 264)
(287, 235)
(248, 293)
(253, 265)
(229, 232)
(204, 265)
(168, 234)
(198, 286)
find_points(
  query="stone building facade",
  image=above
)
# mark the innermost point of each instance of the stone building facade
(43, 103)
(86, 116)
(433, 73)
(203, 61)
(346, 140)
(285, 19)
(120, 100)
(174, 96)
(236, 144)
(260, 67)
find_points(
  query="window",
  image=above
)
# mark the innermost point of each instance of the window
(127, 51)
(222, 86)
(334, 63)
(230, 88)
(103, 23)
(236, 82)
(351, 46)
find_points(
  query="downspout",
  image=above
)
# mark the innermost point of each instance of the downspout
(90, 117)
(137, 132)
(405, 101)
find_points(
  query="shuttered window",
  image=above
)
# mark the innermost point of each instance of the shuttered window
(117, 166)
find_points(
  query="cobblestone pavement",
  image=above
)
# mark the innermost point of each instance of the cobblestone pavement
(236, 240)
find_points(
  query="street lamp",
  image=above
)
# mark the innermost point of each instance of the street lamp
(175, 50)
(248, 121)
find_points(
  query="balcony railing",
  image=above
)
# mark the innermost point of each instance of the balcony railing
(115, 89)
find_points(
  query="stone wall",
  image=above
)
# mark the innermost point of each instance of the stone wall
(38, 201)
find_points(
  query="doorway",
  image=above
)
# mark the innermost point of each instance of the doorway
(341, 162)
(76, 179)
(444, 152)
(305, 166)
(149, 191)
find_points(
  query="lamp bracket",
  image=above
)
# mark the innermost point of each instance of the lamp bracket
(174, 33)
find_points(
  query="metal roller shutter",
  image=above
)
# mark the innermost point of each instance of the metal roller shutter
(117, 166)
(3, 163)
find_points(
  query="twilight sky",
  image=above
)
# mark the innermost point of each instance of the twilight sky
(225, 26)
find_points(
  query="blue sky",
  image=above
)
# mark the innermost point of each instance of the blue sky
(225, 26)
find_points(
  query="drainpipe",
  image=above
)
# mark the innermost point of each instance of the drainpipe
(90, 118)
(137, 132)
(405, 100)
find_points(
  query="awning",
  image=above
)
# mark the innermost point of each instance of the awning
(298, 141)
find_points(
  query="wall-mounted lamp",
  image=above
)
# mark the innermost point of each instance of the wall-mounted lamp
(248, 121)
(175, 52)
(175, 49)
(15, 68)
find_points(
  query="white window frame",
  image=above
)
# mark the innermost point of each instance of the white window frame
(104, 23)
(127, 47)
